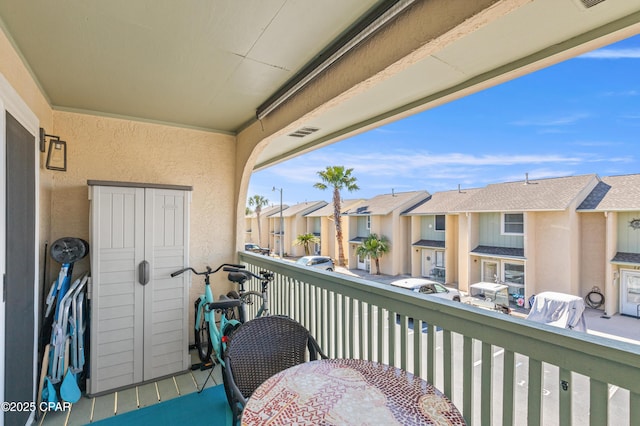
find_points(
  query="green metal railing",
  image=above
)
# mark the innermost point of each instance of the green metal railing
(496, 368)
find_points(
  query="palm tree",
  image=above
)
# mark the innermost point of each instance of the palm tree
(337, 178)
(258, 201)
(374, 247)
(306, 240)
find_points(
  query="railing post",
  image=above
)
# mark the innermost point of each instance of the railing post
(534, 396)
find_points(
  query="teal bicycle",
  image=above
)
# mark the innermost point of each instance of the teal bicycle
(208, 334)
(231, 310)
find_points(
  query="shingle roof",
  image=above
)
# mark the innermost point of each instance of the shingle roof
(442, 202)
(386, 203)
(266, 211)
(429, 243)
(303, 208)
(499, 251)
(535, 194)
(614, 193)
(621, 257)
(328, 209)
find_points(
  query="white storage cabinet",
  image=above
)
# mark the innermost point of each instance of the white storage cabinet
(139, 314)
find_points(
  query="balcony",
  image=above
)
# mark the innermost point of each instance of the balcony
(497, 369)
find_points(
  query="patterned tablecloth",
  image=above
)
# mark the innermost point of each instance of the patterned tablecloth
(348, 392)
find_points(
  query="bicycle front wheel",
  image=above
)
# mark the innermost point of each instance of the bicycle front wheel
(253, 305)
(203, 340)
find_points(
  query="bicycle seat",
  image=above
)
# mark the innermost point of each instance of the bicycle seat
(237, 277)
(225, 304)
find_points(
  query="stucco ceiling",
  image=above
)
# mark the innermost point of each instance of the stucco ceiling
(210, 63)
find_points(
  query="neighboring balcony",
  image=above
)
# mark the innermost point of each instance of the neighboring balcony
(497, 369)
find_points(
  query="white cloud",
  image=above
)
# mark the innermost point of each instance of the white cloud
(631, 92)
(596, 143)
(632, 53)
(555, 121)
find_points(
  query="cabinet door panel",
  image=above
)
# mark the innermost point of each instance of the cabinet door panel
(166, 298)
(117, 326)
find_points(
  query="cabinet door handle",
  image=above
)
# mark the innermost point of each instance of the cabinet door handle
(143, 272)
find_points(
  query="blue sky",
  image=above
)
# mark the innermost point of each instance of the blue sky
(581, 116)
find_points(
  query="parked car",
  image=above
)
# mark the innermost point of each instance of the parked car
(320, 262)
(424, 286)
(256, 248)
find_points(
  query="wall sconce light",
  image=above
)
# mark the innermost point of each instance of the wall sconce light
(57, 154)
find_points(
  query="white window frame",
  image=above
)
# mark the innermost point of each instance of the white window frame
(483, 264)
(438, 258)
(435, 223)
(503, 223)
(368, 223)
(503, 268)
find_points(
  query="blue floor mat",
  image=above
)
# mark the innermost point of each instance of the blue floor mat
(209, 407)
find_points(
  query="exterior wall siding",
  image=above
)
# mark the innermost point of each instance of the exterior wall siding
(628, 237)
(314, 225)
(428, 229)
(361, 229)
(490, 235)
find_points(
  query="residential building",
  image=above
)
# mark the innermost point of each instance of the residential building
(327, 227)
(525, 234)
(381, 215)
(260, 234)
(294, 223)
(610, 243)
(434, 235)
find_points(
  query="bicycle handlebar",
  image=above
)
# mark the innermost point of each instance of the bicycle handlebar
(208, 271)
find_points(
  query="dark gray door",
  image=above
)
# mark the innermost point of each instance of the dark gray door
(20, 263)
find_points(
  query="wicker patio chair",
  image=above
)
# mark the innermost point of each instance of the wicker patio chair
(260, 348)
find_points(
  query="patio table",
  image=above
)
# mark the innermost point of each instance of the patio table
(348, 392)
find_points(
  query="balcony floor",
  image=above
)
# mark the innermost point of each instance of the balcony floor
(90, 410)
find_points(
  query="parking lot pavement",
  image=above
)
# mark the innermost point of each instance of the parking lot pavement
(371, 277)
(619, 327)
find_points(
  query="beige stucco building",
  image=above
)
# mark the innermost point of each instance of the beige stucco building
(259, 234)
(435, 236)
(610, 244)
(286, 227)
(382, 215)
(328, 237)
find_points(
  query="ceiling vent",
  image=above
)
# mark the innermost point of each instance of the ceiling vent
(590, 3)
(303, 131)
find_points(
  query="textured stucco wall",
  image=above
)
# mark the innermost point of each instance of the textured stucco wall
(553, 248)
(592, 252)
(451, 249)
(101, 148)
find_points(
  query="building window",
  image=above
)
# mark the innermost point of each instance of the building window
(513, 223)
(514, 273)
(368, 223)
(439, 259)
(440, 222)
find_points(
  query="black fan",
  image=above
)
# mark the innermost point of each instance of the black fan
(69, 249)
